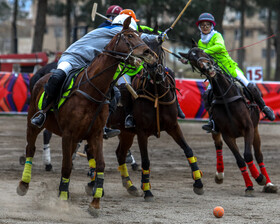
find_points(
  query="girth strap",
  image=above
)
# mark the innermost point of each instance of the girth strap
(92, 99)
(226, 100)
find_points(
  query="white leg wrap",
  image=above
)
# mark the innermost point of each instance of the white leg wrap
(220, 176)
(46, 156)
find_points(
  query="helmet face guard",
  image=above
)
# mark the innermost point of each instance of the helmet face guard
(206, 17)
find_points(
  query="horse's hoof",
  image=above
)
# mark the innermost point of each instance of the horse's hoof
(270, 188)
(148, 196)
(219, 178)
(22, 188)
(198, 190)
(249, 192)
(22, 160)
(93, 211)
(133, 191)
(261, 180)
(48, 167)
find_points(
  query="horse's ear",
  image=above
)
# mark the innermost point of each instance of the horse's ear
(140, 29)
(194, 44)
(127, 23)
(184, 55)
(155, 30)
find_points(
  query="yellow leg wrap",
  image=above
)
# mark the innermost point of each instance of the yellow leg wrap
(192, 159)
(26, 175)
(92, 163)
(123, 170)
(65, 180)
(197, 175)
(146, 186)
(99, 191)
(146, 171)
(63, 195)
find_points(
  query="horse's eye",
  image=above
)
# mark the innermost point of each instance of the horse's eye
(130, 35)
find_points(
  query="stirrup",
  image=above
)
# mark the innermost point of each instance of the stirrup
(39, 118)
(210, 127)
(129, 122)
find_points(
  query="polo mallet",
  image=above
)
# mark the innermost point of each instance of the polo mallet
(178, 17)
(170, 52)
(129, 87)
(94, 13)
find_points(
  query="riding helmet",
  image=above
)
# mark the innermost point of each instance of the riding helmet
(206, 17)
(114, 10)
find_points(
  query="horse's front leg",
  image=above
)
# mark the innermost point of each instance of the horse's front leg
(31, 136)
(269, 187)
(231, 143)
(178, 137)
(95, 150)
(145, 180)
(125, 142)
(68, 146)
(249, 138)
(219, 176)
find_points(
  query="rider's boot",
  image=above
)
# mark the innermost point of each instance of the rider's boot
(207, 99)
(210, 126)
(52, 89)
(259, 100)
(180, 112)
(110, 133)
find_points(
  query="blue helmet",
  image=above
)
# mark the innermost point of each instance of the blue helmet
(206, 17)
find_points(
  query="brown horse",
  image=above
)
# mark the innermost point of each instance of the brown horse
(233, 118)
(154, 110)
(84, 113)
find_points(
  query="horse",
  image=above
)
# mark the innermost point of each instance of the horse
(154, 110)
(47, 135)
(234, 117)
(83, 115)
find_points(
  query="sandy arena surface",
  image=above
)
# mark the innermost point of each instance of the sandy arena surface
(175, 201)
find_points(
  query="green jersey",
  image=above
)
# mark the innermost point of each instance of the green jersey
(216, 48)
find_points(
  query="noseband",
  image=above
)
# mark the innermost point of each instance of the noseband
(123, 56)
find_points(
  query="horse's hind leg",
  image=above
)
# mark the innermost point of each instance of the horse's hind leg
(219, 176)
(31, 136)
(177, 135)
(126, 140)
(269, 187)
(231, 142)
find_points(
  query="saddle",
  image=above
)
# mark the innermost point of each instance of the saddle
(243, 93)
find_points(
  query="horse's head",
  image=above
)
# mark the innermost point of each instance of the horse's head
(201, 61)
(155, 71)
(128, 44)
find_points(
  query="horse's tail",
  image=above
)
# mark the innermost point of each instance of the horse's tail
(40, 73)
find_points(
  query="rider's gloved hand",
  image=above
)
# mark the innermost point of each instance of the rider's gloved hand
(183, 60)
(163, 36)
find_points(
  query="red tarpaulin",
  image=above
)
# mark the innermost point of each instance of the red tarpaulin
(14, 95)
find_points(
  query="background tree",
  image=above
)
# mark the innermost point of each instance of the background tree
(40, 26)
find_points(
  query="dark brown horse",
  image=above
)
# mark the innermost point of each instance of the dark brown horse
(84, 113)
(233, 118)
(154, 110)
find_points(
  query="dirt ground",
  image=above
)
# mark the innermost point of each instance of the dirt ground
(175, 201)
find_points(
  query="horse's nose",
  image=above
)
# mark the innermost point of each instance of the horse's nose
(148, 51)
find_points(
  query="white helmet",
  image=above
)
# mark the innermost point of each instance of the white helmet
(120, 20)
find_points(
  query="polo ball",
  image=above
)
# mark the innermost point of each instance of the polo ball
(218, 212)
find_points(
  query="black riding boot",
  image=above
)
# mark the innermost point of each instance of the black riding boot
(259, 100)
(207, 99)
(180, 112)
(109, 132)
(52, 89)
(210, 127)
